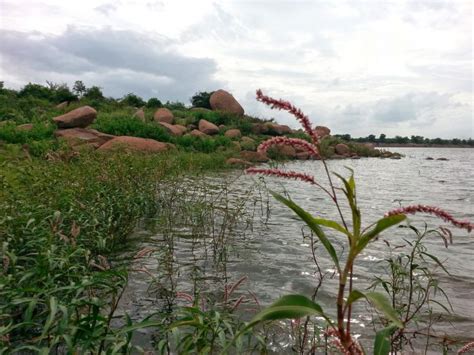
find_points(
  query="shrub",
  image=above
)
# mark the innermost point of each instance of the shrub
(154, 103)
(201, 99)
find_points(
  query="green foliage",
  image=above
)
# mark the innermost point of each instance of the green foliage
(94, 93)
(203, 144)
(201, 99)
(11, 134)
(133, 100)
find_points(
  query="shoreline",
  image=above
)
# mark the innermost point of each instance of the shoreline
(412, 145)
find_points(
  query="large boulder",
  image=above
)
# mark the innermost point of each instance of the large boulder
(25, 127)
(254, 156)
(285, 150)
(163, 115)
(224, 101)
(79, 136)
(197, 133)
(260, 128)
(140, 114)
(62, 105)
(175, 130)
(322, 131)
(80, 117)
(233, 133)
(342, 149)
(135, 144)
(208, 127)
(277, 129)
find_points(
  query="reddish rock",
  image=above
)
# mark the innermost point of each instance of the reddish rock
(135, 144)
(238, 162)
(62, 105)
(198, 133)
(277, 129)
(208, 127)
(80, 117)
(237, 146)
(140, 114)
(303, 156)
(79, 136)
(25, 127)
(175, 130)
(342, 149)
(224, 101)
(259, 128)
(322, 131)
(369, 145)
(163, 115)
(286, 150)
(233, 133)
(254, 156)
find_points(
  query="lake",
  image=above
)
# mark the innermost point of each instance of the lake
(250, 234)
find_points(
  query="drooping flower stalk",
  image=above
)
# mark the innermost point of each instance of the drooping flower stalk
(284, 174)
(438, 212)
(287, 106)
(466, 348)
(294, 142)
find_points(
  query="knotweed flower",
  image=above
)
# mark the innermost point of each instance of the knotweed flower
(294, 142)
(466, 348)
(438, 212)
(287, 106)
(284, 174)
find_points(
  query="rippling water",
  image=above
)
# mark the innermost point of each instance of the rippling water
(277, 260)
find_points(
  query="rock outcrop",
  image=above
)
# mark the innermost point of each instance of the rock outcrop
(322, 131)
(198, 133)
(223, 101)
(175, 130)
(163, 115)
(257, 157)
(135, 144)
(140, 114)
(233, 133)
(79, 136)
(80, 117)
(25, 127)
(342, 149)
(208, 127)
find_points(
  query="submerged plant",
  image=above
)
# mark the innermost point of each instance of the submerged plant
(297, 306)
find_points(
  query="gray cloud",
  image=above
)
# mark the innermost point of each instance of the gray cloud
(120, 61)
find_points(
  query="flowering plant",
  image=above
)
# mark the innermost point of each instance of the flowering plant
(297, 306)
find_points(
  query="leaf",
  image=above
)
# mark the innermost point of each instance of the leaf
(381, 225)
(436, 260)
(379, 301)
(312, 223)
(351, 198)
(332, 224)
(288, 307)
(53, 308)
(382, 340)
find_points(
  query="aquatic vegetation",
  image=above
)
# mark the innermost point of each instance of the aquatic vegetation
(297, 306)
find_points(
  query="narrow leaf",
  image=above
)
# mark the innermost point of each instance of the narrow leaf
(332, 224)
(382, 340)
(381, 225)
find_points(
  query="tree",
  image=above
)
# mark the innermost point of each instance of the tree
(63, 93)
(201, 99)
(79, 88)
(371, 138)
(382, 138)
(133, 100)
(35, 90)
(94, 93)
(154, 103)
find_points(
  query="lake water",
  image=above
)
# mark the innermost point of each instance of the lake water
(267, 246)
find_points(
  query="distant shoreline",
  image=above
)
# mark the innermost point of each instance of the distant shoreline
(413, 145)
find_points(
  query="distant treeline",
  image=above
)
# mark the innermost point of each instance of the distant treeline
(418, 140)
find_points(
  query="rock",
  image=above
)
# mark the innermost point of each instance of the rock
(443, 159)
(175, 130)
(233, 133)
(80, 117)
(25, 127)
(208, 127)
(277, 129)
(259, 128)
(79, 136)
(163, 115)
(224, 101)
(429, 158)
(191, 127)
(396, 157)
(221, 127)
(135, 144)
(198, 133)
(237, 161)
(355, 157)
(342, 149)
(302, 156)
(337, 156)
(237, 146)
(248, 143)
(62, 105)
(369, 145)
(322, 131)
(254, 156)
(285, 150)
(140, 114)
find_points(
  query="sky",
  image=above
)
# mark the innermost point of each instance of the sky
(359, 67)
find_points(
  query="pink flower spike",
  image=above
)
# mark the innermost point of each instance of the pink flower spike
(466, 348)
(284, 174)
(438, 212)
(287, 106)
(294, 142)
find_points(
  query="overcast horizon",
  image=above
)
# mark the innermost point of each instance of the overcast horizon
(359, 67)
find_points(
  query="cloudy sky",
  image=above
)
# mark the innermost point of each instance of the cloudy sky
(359, 67)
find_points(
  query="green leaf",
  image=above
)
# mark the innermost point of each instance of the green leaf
(53, 308)
(312, 223)
(332, 224)
(351, 198)
(288, 307)
(381, 225)
(436, 260)
(382, 340)
(379, 301)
